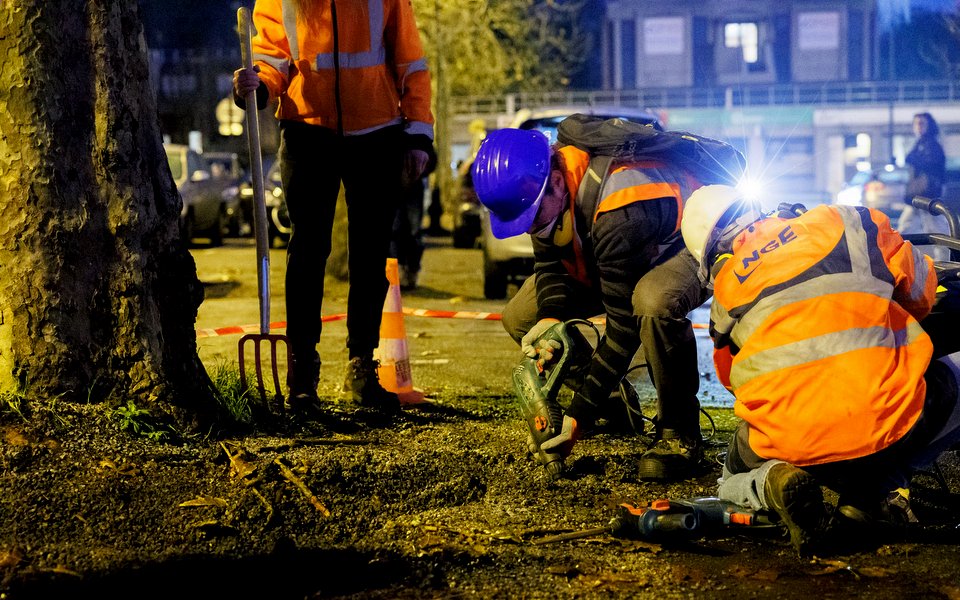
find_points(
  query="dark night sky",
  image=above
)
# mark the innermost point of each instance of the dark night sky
(191, 23)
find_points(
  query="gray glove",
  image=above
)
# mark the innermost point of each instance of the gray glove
(562, 444)
(528, 344)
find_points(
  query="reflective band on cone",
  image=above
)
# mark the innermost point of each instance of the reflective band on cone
(394, 357)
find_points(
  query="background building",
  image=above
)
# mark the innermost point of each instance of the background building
(809, 90)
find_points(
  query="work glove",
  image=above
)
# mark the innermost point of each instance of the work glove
(528, 344)
(562, 444)
(414, 164)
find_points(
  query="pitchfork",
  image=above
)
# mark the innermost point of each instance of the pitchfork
(260, 226)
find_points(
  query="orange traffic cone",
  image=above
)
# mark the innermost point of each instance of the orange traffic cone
(394, 357)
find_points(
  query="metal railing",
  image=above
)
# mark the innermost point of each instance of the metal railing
(797, 94)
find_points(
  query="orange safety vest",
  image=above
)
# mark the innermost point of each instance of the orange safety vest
(820, 314)
(307, 60)
(625, 183)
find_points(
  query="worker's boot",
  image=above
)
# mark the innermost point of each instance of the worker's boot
(672, 457)
(362, 386)
(796, 497)
(303, 376)
(891, 511)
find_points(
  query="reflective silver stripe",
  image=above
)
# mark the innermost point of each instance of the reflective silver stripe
(371, 58)
(408, 70)
(415, 66)
(628, 178)
(856, 237)
(721, 320)
(815, 288)
(289, 16)
(395, 121)
(920, 274)
(820, 347)
(419, 127)
(280, 64)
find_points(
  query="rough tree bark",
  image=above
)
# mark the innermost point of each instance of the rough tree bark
(98, 293)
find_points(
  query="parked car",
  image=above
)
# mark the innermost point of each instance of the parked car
(277, 218)
(227, 164)
(469, 213)
(885, 189)
(206, 202)
(511, 259)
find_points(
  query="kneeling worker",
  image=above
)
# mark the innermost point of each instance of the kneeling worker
(816, 326)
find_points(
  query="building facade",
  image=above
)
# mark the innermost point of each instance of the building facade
(807, 89)
(803, 82)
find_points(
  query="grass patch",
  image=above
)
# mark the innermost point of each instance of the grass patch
(234, 399)
(138, 421)
(14, 403)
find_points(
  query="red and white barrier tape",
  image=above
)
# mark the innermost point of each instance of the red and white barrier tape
(410, 312)
(452, 314)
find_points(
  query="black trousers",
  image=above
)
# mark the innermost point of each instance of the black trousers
(314, 162)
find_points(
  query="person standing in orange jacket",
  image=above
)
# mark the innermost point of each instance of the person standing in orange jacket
(353, 92)
(816, 322)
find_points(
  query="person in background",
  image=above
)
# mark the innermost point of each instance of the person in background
(816, 324)
(435, 211)
(353, 95)
(406, 243)
(927, 164)
(610, 249)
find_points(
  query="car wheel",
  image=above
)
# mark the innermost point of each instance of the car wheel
(235, 225)
(216, 232)
(279, 225)
(494, 280)
(187, 228)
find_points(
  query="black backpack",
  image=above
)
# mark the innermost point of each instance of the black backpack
(711, 161)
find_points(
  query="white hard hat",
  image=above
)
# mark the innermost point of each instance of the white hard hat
(707, 213)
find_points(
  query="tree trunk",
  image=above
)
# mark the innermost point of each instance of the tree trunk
(98, 293)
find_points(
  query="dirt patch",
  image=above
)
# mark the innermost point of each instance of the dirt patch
(438, 502)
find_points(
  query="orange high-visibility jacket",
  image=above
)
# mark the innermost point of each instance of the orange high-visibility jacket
(359, 59)
(819, 315)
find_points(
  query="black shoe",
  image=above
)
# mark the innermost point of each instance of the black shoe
(302, 404)
(796, 496)
(310, 408)
(303, 376)
(362, 387)
(671, 457)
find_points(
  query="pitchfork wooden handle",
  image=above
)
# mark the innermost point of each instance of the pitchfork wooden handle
(260, 226)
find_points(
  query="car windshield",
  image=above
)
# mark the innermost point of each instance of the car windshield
(547, 126)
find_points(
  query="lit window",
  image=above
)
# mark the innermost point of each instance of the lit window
(744, 36)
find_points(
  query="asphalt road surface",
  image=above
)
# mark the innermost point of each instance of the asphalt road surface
(466, 355)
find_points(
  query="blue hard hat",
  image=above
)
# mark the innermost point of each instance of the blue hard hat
(510, 175)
